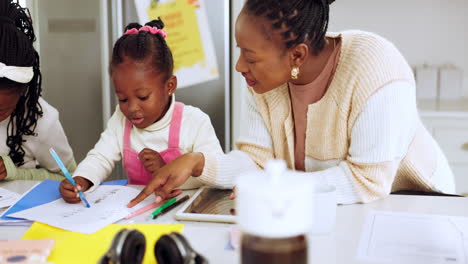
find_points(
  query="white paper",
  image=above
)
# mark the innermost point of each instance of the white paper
(7, 198)
(108, 205)
(15, 222)
(390, 237)
(20, 222)
(462, 224)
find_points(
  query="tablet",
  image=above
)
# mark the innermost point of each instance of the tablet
(210, 205)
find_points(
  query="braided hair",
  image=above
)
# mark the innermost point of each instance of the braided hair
(16, 49)
(299, 20)
(145, 47)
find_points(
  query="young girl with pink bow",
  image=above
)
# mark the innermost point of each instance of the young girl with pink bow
(149, 128)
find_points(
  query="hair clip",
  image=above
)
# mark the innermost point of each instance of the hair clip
(149, 29)
(131, 31)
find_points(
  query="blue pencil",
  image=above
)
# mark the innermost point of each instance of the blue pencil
(67, 175)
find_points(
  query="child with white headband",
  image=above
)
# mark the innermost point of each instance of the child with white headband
(29, 126)
(149, 128)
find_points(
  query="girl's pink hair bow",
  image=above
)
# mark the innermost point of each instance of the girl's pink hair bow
(151, 30)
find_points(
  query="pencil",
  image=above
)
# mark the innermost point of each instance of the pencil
(172, 206)
(67, 175)
(142, 210)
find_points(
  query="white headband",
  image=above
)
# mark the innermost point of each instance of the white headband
(17, 74)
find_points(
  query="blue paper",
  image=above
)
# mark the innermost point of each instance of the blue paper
(45, 192)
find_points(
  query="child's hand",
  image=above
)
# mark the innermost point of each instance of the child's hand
(172, 176)
(70, 193)
(3, 171)
(151, 159)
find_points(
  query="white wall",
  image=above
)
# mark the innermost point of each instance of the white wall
(426, 31)
(71, 67)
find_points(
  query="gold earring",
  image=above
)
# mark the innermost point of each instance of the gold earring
(294, 73)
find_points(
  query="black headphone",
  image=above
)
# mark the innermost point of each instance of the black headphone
(175, 249)
(128, 246)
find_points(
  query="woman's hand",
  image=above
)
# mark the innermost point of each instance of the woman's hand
(171, 176)
(151, 159)
(233, 194)
(3, 171)
(70, 193)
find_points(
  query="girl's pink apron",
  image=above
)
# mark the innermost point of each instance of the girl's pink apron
(136, 172)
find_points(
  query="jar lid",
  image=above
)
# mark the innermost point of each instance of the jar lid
(274, 203)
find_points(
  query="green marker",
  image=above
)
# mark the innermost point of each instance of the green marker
(164, 206)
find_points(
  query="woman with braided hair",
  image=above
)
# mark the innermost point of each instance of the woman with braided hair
(29, 126)
(339, 106)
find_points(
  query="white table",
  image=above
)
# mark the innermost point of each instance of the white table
(210, 239)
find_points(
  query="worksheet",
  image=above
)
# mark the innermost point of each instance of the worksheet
(390, 237)
(7, 197)
(108, 205)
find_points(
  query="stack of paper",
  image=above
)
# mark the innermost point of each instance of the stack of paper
(42, 193)
(7, 198)
(108, 205)
(15, 222)
(27, 200)
(390, 237)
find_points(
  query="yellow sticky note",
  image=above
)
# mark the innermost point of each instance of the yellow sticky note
(71, 247)
(183, 34)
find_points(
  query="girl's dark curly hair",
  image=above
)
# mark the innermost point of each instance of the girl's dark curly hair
(16, 49)
(145, 47)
